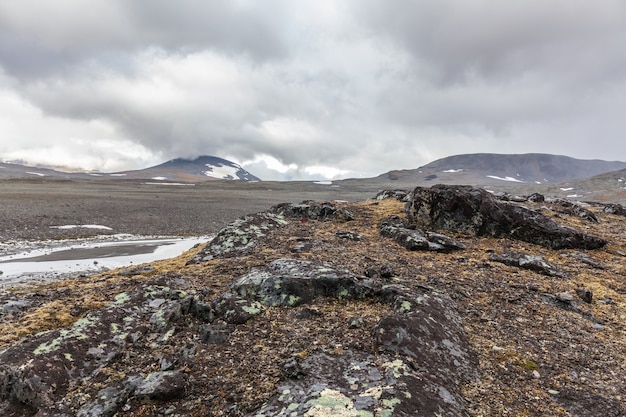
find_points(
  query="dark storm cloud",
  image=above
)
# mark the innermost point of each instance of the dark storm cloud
(361, 86)
(39, 38)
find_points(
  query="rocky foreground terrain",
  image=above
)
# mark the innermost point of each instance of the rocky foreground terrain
(446, 301)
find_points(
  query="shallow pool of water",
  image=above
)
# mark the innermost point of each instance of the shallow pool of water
(49, 259)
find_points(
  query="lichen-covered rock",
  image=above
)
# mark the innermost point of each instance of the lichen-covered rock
(526, 261)
(235, 309)
(291, 282)
(476, 212)
(423, 349)
(38, 372)
(313, 210)
(239, 237)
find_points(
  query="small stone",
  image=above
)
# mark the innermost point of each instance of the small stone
(497, 348)
(597, 326)
(553, 392)
(565, 297)
(536, 374)
(585, 295)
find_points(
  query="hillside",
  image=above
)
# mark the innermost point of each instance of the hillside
(369, 308)
(485, 168)
(203, 168)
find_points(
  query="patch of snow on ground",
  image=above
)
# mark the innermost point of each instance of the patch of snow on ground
(39, 174)
(222, 172)
(574, 196)
(511, 179)
(95, 175)
(118, 175)
(567, 189)
(159, 178)
(453, 170)
(323, 182)
(82, 226)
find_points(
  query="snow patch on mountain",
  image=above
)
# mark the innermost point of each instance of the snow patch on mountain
(223, 171)
(504, 179)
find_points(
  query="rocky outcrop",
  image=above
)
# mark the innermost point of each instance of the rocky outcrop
(423, 348)
(239, 237)
(298, 312)
(476, 212)
(313, 210)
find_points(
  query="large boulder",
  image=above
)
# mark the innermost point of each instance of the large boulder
(421, 357)
(476, 212)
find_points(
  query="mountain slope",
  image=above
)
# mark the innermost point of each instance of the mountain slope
(529, 168)
(203, 168)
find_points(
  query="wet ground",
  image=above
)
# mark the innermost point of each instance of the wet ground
(38, 261)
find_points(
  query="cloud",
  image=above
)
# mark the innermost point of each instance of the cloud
(357, 87)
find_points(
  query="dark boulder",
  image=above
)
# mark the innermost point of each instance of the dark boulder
(476, 212)
(313, 210)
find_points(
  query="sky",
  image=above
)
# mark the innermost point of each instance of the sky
(309, 89)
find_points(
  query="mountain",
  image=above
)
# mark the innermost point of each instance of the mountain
(487, 168)
(203, 168)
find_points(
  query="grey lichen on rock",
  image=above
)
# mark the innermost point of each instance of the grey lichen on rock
(240, 236)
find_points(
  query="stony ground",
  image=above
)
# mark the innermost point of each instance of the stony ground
(547, 345)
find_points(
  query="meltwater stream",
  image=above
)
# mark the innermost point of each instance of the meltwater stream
(42, 261)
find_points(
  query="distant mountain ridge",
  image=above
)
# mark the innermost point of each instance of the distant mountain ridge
(202, 168)
(529, 168)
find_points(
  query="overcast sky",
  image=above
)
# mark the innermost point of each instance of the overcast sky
(301, 89)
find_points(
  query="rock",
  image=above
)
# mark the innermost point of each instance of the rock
(565, 297)
(107, 401)
(416, 239)
(342, 234)
(215, 334)
(14, 306)
(585, 295)
(239, 237)
(423, 356)
(584, 258)
(161, 386)
(587, 403)
(38, 372)
(400, 195)
(476, 212)
(235, 309)
(536, 198)
(575, 209)
(291, 282)
(616, 209)
(526, 261)
(314, 211)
